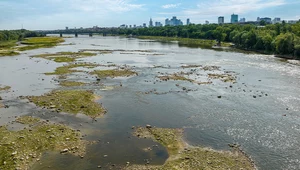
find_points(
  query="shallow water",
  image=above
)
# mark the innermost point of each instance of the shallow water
(257, 124)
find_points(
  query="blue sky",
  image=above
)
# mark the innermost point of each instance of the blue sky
(57, 14)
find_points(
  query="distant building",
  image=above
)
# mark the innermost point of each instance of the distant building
(130, 26)
(123, 26)
(266, 19)
(242, 20)
(188, 21)
(206, 22)
(234, 18)
(276, 20)
(292, 21)
(221, 20)
(150, 23)
(173, 22)
(144, 25)
(67, 28)
(134, 26)
(158, 24)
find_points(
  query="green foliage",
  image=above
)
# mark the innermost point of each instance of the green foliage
(277, 38)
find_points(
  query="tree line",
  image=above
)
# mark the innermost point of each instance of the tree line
(11, 35)
(281, 38)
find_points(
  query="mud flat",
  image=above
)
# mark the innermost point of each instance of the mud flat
(114, 73)
(21, 149)
(183, 156)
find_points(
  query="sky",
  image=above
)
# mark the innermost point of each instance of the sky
(58, 14)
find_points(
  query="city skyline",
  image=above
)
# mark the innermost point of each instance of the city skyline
(55, 14)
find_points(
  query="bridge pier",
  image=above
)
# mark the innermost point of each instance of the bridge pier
(90, 34)
(104, 34)
(60, 35)
(76, 34)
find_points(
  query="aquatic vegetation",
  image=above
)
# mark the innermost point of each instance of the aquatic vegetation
(39, 42)
(6, 48)
(182, 156)
(5, 88)
(70, 101)
(114, 73)
(65, 56)
(67, 69)
(21, 149)
(71, 83)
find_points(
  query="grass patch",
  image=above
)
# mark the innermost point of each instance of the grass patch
(71, 83)
(21, 149)
(7, 44)
(70, 101)
(8, 53)
(40, 42)
(175, 77)
(5, 88)
(187, 41)
(27, 120)
(182, 156)
(67, 69)
(65, 56)
(114, 73)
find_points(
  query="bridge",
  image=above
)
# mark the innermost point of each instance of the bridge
(90, 32)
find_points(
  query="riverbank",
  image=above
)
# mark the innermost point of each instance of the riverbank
(13, 47)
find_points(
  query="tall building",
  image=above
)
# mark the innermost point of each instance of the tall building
(158, 24)
(234, 18)
(266, 19)
(207, 22)
(188, 22)
(150, 23)
(276, 20)
(173, 22)
(144, 25)
(242, 20)
(221, 20)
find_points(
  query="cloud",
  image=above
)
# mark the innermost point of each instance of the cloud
(223, 7)
(169, 6)
(105, 5)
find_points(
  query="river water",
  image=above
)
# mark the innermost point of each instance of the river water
(261, 112)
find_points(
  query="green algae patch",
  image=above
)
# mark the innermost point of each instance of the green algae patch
(114, 73)
(40, 42)
(21, 149)
(70, 101)
(68, 69)
(28, 120)
(5, 88)
(71, 83)
(65, 56)
(183, 156)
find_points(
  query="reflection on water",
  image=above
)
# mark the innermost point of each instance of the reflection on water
(260, 111)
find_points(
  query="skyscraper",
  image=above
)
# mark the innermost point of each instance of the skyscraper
(234, 18)
(188, 21)
(150, 23)
(173, 22)
(221, 20)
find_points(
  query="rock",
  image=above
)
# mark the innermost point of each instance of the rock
(98, 79)
(1, 98)
(254, 97)
(64, 151)
(99, 166)
(183, 88)
(148, 126)
(52, 107)
(219, 97)
(284, 115)
(127, 163)
(105, 156)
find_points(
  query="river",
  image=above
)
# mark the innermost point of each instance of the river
(261, 112)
